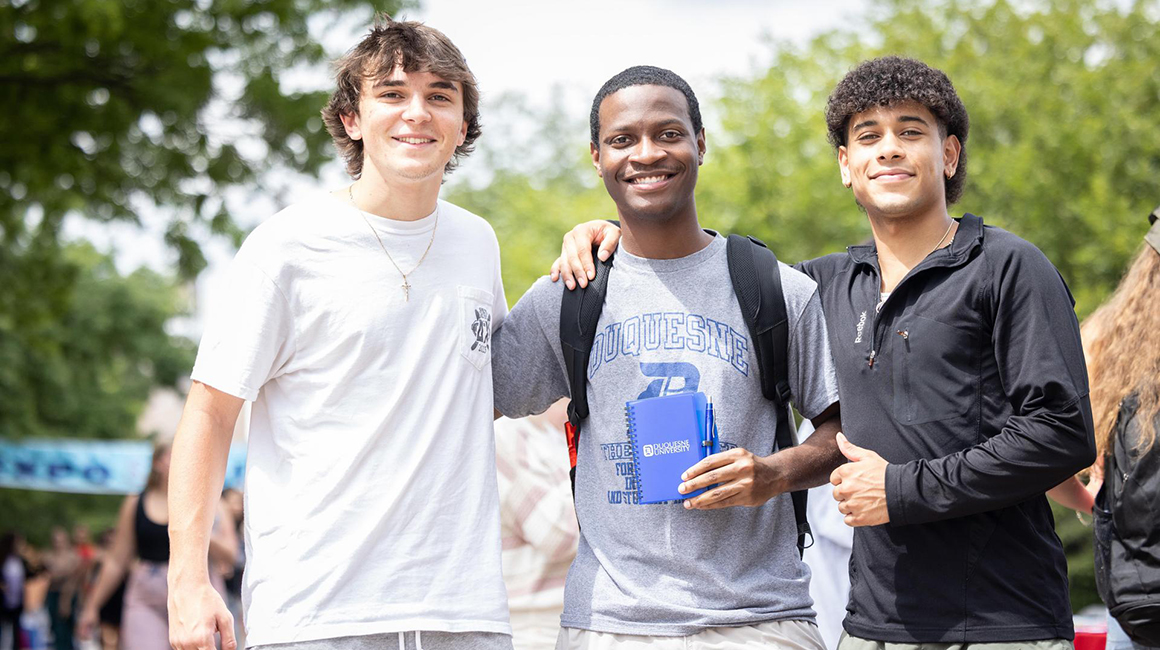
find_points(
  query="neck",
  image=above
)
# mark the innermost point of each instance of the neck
(398, 199)
(908, 240)
(662, 239)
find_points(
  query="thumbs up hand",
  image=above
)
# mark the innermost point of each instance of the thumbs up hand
(860, 485)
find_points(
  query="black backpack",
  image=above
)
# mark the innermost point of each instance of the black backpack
(757, 285)
(1127, 530)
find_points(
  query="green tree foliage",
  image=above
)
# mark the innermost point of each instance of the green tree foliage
(1064, 146)
(111, 102)
(81, 365)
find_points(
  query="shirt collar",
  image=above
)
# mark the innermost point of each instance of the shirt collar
(967, 237)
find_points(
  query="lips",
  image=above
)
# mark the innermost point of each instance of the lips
(891, 175)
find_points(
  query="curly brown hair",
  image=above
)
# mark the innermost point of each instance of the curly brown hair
(391, 44)
(891, 80)
(1122, 346)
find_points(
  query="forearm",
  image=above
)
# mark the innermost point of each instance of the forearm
(1030, 457)
(809, 464)
(111, 573)
(68, 590)
(1072, 494)
(197, 472)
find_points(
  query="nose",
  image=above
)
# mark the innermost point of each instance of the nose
(890, 147)
(648, 152)
(416, 110)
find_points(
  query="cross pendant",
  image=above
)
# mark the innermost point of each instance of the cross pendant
(406, 290)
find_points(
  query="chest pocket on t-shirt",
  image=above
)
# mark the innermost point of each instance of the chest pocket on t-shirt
(475, 306)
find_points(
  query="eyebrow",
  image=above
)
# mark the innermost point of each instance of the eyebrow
(673, 121)
(396, 83)
(904, 118)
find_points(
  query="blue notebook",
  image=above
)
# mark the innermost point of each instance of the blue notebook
(666, 434)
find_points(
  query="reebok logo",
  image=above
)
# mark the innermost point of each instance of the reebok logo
(861, 325)
(662, 448)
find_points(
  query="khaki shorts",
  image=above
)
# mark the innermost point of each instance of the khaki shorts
(854, 643)
(786, 635)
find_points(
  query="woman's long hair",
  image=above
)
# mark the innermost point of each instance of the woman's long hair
(1122, 344)
(155, 477)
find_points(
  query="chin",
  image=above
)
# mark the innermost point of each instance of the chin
(893, 206)
(419, 173)
(651, 212)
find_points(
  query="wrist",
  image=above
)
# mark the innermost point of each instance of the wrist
(188, 576)
(772, 477)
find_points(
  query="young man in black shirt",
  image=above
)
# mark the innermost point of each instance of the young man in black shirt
(962, 378)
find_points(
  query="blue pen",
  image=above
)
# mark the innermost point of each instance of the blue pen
(710, 428)
(716, 440)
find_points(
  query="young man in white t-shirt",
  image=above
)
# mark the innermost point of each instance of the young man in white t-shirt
(359, 323)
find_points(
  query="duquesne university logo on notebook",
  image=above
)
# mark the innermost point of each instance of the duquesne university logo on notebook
(671, 447)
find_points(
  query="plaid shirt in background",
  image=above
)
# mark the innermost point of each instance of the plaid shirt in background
(538, 524)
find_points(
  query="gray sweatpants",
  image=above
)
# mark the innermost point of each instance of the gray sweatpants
(404, 641)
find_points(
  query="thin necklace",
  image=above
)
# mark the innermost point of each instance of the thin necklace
(940, 239)
(406, 286)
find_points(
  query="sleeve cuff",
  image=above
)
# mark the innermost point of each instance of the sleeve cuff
(235, 388)
(895, 504)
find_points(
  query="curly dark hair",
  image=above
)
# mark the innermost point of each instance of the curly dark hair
(414, 47)
(890, 80)
(643, 75)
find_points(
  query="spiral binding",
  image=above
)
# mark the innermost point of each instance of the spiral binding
(630, 421)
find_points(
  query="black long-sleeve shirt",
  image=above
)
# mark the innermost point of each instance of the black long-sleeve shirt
(970, 381)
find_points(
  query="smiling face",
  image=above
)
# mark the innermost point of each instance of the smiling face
(409, 123)
(896, 159)
(648, 153)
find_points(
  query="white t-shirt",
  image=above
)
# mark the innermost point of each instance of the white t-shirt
(370, 486)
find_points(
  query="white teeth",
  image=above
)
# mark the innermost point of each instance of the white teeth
(648, 179)
(415, 140)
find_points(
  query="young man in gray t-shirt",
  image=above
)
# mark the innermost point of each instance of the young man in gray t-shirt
(708, 567)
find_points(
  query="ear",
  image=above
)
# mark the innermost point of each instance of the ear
(595, 150)
(350, 122)
(952, 149)
(462, 134)
(701, 147)
(844, 165)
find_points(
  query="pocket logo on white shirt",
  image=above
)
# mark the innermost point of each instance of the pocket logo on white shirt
(481, 329)
(475, 324)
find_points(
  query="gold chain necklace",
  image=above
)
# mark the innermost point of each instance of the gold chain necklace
(940, 239)
(406, 286)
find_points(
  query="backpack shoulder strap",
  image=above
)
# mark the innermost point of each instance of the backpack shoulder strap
(579, 313)
(756, 280)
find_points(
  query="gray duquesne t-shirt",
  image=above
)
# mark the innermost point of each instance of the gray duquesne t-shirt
(670, 326)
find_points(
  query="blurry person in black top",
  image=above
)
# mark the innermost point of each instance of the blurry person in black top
(140, 551)
(961, 370)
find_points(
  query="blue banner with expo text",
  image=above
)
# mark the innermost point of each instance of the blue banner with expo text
(89, 466)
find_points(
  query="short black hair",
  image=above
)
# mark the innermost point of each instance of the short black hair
(644, 75)
(891, 80)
